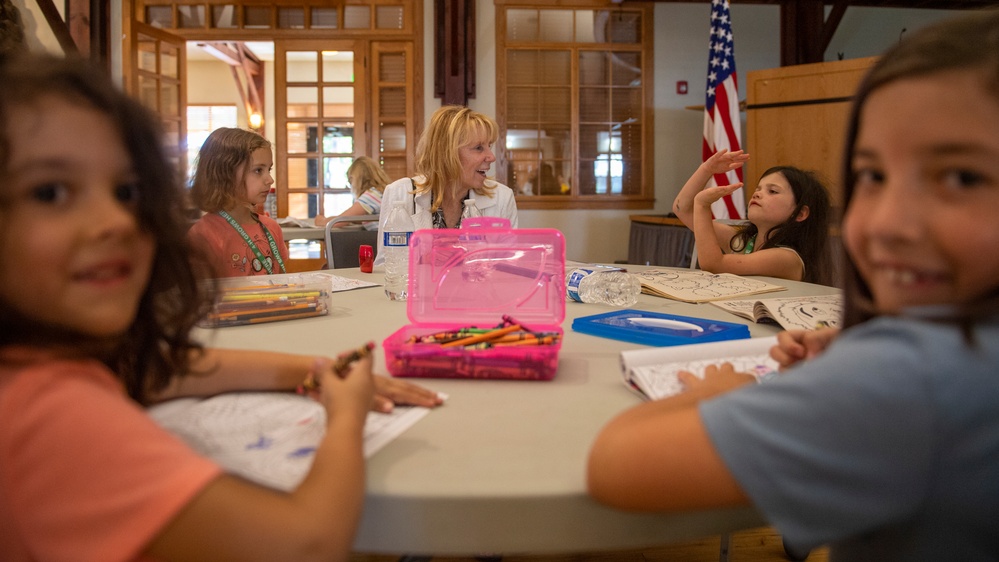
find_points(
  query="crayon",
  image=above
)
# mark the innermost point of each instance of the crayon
(547, 340)
(340, 366)
(490, 335)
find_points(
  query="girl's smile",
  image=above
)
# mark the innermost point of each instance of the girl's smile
(66, 267)
(920, 226)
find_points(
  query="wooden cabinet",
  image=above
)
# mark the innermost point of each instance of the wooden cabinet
(797, 116)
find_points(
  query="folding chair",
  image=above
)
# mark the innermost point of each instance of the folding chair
(342, 243)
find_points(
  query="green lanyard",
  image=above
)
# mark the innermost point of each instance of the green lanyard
(256, 250)
(749, 245)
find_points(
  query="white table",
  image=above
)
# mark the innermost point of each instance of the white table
(500, 468)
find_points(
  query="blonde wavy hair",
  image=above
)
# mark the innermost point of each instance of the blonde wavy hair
(221, 164)
(451, 128)
(372, 175)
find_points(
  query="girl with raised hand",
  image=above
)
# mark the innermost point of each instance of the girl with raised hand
(787, 228)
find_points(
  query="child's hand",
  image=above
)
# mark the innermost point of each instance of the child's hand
(389, 392)
(718, 379)
(800, 345)
(724, 161)
(350, 395)
(709, 195)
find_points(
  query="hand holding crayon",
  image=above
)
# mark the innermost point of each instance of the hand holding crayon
(340, 367)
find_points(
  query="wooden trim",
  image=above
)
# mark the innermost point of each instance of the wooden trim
(59, 27)
(656, 219)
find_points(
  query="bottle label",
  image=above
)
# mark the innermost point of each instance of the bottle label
(396, 239)
(572, 284)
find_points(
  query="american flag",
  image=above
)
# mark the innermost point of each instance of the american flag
(722, 125)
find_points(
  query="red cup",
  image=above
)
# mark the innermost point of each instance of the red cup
(366, 257)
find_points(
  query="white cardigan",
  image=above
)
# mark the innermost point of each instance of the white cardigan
(501, 204)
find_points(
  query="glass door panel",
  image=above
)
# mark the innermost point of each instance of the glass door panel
(317, 135)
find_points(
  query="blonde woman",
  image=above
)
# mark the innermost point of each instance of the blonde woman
(453, 159)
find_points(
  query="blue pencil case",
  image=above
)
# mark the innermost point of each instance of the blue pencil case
(657, 329)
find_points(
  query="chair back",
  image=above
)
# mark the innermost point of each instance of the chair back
(342, 243)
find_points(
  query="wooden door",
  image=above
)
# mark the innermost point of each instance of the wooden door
(321, 124)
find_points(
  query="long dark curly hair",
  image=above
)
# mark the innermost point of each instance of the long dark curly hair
(158, 344)
(809, 237)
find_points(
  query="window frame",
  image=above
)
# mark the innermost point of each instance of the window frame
(645, 198)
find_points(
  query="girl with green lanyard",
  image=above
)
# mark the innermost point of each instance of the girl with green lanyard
(232, 180)
(786, 232)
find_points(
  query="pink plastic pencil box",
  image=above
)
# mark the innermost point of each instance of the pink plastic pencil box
(474, 276)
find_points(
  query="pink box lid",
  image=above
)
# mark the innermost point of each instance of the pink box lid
(484, 270)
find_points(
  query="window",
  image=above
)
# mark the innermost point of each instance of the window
(201, 121)
(574, 104)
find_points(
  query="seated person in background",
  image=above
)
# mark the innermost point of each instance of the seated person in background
(787, 230)
(543, 182)
(546, 182)
(232, 178)
(367, 183)
(452, 160)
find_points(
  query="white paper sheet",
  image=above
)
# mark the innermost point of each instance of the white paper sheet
(268, 437)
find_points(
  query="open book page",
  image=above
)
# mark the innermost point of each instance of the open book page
(792, 313)
(268, 437)
(743, 308)
(297, 222)
(694, 285)
(653, 372)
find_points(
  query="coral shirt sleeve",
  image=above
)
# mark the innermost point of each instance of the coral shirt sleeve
(85, 473)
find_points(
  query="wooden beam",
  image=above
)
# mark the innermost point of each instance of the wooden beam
(58, 26)
(801, 29)
(221, 51)
(832, 22)
(79, 24)
(454, 51)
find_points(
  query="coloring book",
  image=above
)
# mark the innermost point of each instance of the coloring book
(791, 313)
(652, 373)
(694, 285)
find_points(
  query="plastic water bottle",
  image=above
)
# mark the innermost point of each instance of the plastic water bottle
(616, 288)
(469, 209)
(395, 241)
(270, 205)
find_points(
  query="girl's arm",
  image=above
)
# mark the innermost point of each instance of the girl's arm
(772, 262)
(353, 211)
(235, 520)
(720, 162)
(658, 456)
(226, 370)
